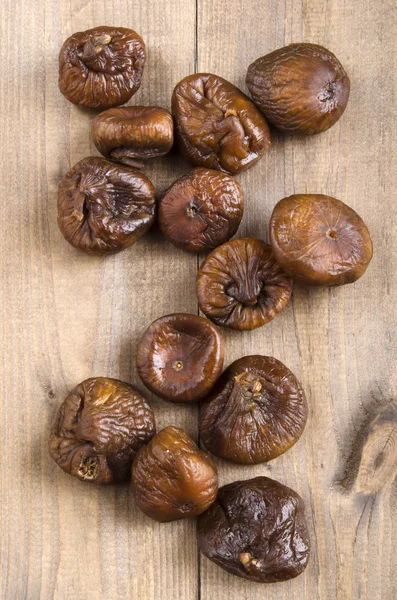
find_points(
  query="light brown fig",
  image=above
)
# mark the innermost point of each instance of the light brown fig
(240, 285)
(201, 210)
(256, 411)
(132, 134)
(318, 240)
(301, 88)
(172, 478)
(180, 356)
(100, 427)
(101, 67)
(104, 207)
(216, 125)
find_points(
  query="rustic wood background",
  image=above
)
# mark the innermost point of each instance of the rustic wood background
(67, 316)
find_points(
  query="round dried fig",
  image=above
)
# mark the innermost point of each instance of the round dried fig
(101, 67)
(256, 411)
(319, 240)
(180, 356)
(301, 88)
(256, 529)
(172, 478)
(100, 426)
(132, 134)
(217, 126)
(103, 207)
(201, 210)
(241, 286)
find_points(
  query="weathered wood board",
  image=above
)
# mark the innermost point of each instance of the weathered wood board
(67, 316)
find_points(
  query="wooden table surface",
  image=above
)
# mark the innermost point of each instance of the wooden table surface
(67, 316)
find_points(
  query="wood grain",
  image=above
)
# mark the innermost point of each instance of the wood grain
(66, 316)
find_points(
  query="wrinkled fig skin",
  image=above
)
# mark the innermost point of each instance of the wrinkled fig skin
(217, 126)
(132, 134)
(104, 207)
(180, 357)
(100, 427)
(319, 240)
(301, 88)
(256, 529)
(201, 210)
(241, 286)
(256, 411)
(172, 478)
(101, 67)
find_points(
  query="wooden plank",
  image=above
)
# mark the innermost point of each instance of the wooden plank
(67, 316)
(341, 342)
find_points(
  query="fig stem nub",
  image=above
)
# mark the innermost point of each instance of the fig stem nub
(256, 387)
(177, 365)
(245, 558)
(94, 46)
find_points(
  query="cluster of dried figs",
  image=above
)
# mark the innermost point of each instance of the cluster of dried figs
(256, 409)
(251, 413)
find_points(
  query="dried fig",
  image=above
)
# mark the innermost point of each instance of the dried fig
(319, 240)
(201, 210)
(241, 286)
(100, 426)
(132, 134)
(180, 356)
(101, 67)
(103, 207)
(172, 478)
(256, 529)
(217, 126)
(256, 411)
(301, 88)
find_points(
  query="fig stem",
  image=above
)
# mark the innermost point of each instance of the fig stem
(177, 365)
(230, 113)
(94, 46)
(245, 558)
(78, 211)
(256, 388)
(331, 233)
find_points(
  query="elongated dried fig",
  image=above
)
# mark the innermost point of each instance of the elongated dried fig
(217, 126)
(101, 67)
(256, 411)
(100, 426)
(301, 88)
(257, 530)
(180, 356)
(172, 478)
(132, 134)
(201, 210)
(319, 240)
(103, 207)
(240, 285)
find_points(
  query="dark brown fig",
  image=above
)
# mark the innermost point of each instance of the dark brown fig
(256, 411)
(172, 478)
(256, 529)
(240, 285)
(319, 240)
(104, 207)
(101, 67)
(132, 134)
(217, 126)
(201, 210)
(100, 427)
(180, 357)
(301, 88)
